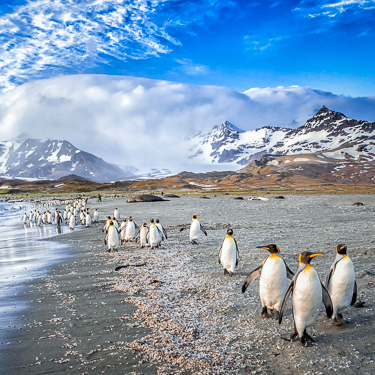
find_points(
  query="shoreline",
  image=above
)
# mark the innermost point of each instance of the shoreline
(190, 318)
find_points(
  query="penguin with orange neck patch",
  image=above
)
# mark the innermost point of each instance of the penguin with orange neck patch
(273, 283)
(228, 254)
(308, 294)
(341, 284)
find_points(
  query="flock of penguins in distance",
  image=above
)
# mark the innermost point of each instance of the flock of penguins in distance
(307, 290)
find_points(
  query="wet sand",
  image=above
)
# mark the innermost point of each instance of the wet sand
(173, 311)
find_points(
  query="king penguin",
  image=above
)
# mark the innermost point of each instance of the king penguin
(273, 283)
(154, 235)
(131, 226)
(112, 237)
(308, 294)
(341, 284)
(195, 229)
(228, 254)
(96, 215)
(143, 235)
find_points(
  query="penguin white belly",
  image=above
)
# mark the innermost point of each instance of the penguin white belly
(116, 215)
(195, 228)
(307, 298)
(162, 237)
(143, 237)
(112, 239)
(96, 216)
(229, 254)
(88, 221)
(154, 236)
(130, 231)
(273, 282)
(341, 285)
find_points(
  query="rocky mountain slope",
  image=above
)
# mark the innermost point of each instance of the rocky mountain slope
(328, 131)
(52, 159)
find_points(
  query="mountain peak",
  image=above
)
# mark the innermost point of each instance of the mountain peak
(324, 111)
(226, 124)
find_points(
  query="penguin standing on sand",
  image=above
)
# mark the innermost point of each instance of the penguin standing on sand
(72, 222)
(195, 229)
(229, 255)
(341, 284)
(88, 219)
(162, 231)
(131, 226)
(308, 294)
(122, 231)
(96, 215)
(143, 235)
(112, 237)
(154, 235)
(116, 214)
(273, 283)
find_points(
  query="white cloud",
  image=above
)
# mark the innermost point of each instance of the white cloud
(143, 122)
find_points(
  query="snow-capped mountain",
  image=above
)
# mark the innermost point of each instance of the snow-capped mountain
(325, 132)
(52, 159)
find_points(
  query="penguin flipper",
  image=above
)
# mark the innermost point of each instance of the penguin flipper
(165, 233)
(251, 277)
(290, 289)
(289, 272)
(354, 298)
(331, 271)
(327, 301)
(221, 247)
(203, 230)
(237, 253)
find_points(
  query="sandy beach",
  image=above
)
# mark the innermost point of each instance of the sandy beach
(171, 310)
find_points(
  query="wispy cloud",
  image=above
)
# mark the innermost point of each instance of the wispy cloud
(257, 43)
(43, 38)
(191, 68)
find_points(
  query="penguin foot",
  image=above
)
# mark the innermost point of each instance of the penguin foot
(304, 341)
(225, 271)
(194, 242)
(264, 313)
(339, 320)
(230, 274)
(308, 337)
(276, 315)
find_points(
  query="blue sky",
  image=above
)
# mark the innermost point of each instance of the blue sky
(327, 45)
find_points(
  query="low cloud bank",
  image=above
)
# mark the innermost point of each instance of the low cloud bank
(143, 122)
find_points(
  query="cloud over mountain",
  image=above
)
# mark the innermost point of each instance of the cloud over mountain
(143, 122)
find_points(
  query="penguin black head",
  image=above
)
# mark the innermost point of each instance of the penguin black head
(157, 221)
(151, 220)
(272, 248)
(130, 218)
(341, 249)
(111, 223)
(108, 217)
(114, 218)
(230, 232)
(306, 257)
(144, 225)
(195, 216)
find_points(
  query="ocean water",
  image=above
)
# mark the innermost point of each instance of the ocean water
(23, 257)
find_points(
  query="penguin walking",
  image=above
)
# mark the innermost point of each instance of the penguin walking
(154, 235)
(162, 231)
(112, 237)
(195, 229)
(24, 218)
(341, 284)
(307, 295)
(143, 234)
(273, 283)
(229, 255)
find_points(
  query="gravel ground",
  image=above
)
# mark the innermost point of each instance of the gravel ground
(190, 317)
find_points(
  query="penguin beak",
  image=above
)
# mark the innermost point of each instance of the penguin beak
(263, 247)
(315, 255)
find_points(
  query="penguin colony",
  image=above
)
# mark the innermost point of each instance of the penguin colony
(305, 287)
